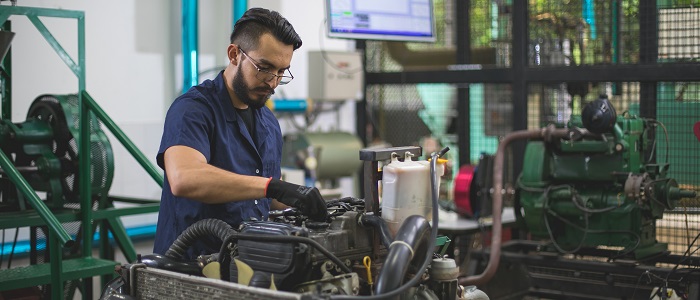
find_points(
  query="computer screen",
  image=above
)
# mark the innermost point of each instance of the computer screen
(392, 20)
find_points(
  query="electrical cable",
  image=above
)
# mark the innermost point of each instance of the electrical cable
(649, 281)
(586, 210)
(636, 236)
(549, 229)
(575, 199)
(684, 257)
(586, 230)
(666, 138)
(325, 57)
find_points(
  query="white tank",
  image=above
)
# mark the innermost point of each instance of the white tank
(406, 190)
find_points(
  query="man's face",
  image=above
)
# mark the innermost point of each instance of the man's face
(250, 84)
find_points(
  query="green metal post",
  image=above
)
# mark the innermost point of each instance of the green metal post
(24, 187)
(85, 149)
(616, 41)
(6, 66)
(86, 155)
(123, 139)
(56, 267)
(106, 251)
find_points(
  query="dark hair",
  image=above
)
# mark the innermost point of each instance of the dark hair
(257, 21)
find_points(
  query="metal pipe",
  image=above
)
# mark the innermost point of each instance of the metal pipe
(239, 8)
(189, 44)
(6, 76)
(123, 139)
(26, 169)
(26, 190)
(547, 134)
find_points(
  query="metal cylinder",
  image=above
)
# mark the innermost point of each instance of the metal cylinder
(334, 153)
(473, 293)
(444, 273)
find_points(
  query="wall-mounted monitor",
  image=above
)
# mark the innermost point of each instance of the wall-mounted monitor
(391, 20)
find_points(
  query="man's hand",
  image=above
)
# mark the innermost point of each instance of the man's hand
(305, 198)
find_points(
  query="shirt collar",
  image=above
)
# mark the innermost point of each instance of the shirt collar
(225, 98)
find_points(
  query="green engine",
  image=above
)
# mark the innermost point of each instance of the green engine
(597, 187)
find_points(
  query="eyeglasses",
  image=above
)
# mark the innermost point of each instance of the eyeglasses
(265, 75)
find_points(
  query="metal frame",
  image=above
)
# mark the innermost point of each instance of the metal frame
(578, 277)
(647, 72)
(60, 270)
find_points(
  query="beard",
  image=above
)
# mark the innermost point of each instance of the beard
(244, 92)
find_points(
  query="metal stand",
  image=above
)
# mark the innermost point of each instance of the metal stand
(60, 270)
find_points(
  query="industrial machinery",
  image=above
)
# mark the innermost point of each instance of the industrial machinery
(352, 254)
(56, 169)
(45, 149)
(598, 186)
(589, 196)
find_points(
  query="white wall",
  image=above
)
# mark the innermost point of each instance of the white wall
(134, 67)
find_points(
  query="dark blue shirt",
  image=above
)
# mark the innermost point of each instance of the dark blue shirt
(204, 119)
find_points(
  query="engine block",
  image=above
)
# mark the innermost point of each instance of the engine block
(598, 189)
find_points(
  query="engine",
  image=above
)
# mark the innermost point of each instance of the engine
(597, 186)
(353, 253)
(301, 267)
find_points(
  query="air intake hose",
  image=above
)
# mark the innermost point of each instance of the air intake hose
(202, 228)
(414, 233)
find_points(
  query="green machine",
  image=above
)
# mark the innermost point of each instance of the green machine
(45, 148)
(56, 169)
(598, 186)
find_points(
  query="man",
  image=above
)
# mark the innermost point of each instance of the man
(221, 147)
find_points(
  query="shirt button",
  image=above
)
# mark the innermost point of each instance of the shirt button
(257, 171)
(256, 202)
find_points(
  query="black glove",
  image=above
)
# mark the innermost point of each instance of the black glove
(305, 198)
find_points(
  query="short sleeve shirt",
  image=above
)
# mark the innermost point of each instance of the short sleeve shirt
(205, 119)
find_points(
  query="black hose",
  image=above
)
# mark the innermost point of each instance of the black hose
(413, 233)
(380, 225)
(202, 228)
(171, 264)
(431, 240)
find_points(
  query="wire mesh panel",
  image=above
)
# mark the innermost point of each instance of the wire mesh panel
(678, 109)
(385, 56)
(490, 33)
(679, 33)
(491, 117)
(605, 36)
(409, 115)
(583, 32)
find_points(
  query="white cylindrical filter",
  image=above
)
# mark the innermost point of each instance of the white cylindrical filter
(406, 190)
